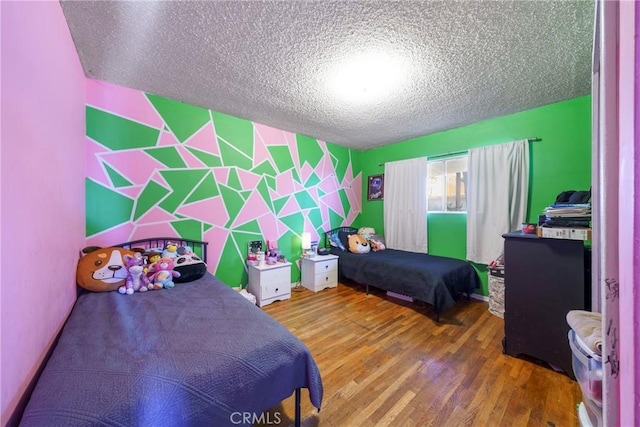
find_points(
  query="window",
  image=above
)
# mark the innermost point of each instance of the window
(447, 184)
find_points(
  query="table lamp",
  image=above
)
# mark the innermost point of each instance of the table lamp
(306, 243)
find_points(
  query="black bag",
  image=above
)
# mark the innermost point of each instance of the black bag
(573, 197)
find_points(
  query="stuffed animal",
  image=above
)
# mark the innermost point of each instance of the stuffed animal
(162, 274)
(184, 250)
(171, 251)
(136, 280)
(366, 232)
(358, 244)
(376, 245)
(334, 241)
(190, 267)
(152, 258)
(102, 269)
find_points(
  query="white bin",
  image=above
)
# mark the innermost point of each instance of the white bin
(496, 291)
(587, 367)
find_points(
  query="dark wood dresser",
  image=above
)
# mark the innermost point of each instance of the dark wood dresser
(544, 280)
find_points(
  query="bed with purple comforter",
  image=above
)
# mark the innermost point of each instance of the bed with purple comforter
(193, 355)
(433, 279)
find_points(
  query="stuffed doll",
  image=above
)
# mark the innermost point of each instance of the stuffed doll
(152, 258)
(358, 244)
(136, 280)
(162, 274)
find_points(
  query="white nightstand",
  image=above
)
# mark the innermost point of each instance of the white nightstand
(270, 283)
(320, 272)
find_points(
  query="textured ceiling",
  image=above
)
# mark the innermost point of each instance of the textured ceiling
(357, 73)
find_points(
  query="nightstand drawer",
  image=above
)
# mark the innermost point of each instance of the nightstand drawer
(326, 278)
(326, 267)
(270, 283)
(273, 290)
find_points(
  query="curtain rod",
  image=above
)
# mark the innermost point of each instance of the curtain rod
(450, 153)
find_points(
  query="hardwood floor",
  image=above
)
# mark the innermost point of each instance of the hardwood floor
(386, 362)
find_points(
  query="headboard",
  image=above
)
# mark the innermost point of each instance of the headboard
(199, 247)
(328, 234)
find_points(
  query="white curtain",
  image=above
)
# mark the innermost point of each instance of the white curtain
(405, 205)
(497, 197)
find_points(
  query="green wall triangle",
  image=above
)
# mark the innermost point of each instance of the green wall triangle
(183, 119)
(205, 190)
(309, 150)
(208, 159)
(168, 156)
(117, 133)
(151, 194)
(181, 182)
(105, 208)
(116, 179)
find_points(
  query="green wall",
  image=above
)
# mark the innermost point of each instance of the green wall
(560, 160)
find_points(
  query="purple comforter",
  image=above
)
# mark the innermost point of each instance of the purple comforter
(433, 279)
(192, 355)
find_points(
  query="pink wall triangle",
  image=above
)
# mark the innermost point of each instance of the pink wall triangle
(191, 160)
(260, 152)
(217, 238)
(135, 165)
(308, 226)
(269, 135)
(222, 175)
(167, 138)
(348, 175)
(284, 183)
(329, 184)
(269, 227)
(156, 214)
(122, 101)
(254, 207)
(324, 213)
(290, 207)
(211, 211)
(205, 140)
(94, 166)
(333, 201)
(325, 168)
(133, 192)
(158, 178)
(145, 231)
(248, 180)
(291, 139)
(305, 172)
(114, 236)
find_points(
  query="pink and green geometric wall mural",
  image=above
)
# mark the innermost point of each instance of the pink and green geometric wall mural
(158, 167)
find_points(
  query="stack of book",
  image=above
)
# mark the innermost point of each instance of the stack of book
(567, 221)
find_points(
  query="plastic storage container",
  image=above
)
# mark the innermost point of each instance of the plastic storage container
(496, 291)
(587, 367)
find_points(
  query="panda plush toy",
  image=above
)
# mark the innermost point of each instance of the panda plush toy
(190, 267)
